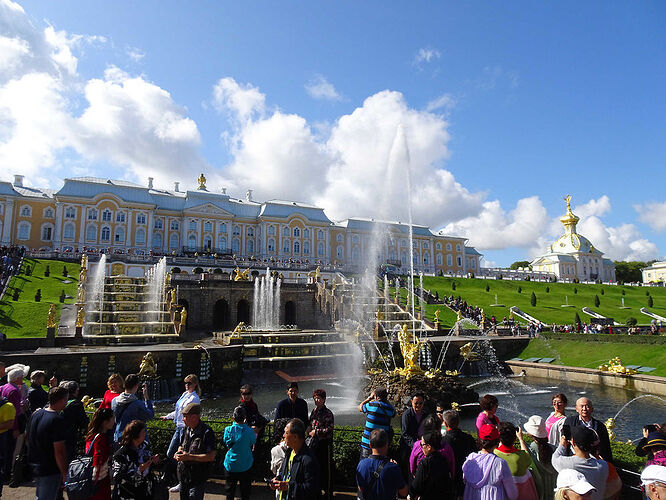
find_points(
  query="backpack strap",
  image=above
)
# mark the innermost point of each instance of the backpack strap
(375, 477)
(90, 451)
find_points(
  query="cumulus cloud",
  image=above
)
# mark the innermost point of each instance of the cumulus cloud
(245, 101)
(653, 214)
(445, 102)
(426, 55)
(135, 54)
(321, 88)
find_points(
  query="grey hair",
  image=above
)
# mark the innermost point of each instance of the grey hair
(70, 385)
(15, 374)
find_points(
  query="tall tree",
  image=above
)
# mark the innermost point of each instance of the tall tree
(519, 263)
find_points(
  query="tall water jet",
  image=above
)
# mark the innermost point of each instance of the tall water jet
(96, 293)
(266, 302)
(156, 288)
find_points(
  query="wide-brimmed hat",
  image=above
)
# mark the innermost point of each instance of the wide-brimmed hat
(573, 480)
(536, 427)
(488, 432)
(655, 438)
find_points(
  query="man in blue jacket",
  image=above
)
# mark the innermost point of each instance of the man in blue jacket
(127, 407)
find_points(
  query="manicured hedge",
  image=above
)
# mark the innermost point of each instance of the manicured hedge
(604, 337)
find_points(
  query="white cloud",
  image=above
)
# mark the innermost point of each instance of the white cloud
(653, 214)
(623, 242)
(135, 54)
(320, 88)
(426, 55)
(596, 208)
(245, 101)
(445, 102)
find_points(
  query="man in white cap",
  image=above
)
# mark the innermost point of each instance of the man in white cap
(573, 485)
(653, 480)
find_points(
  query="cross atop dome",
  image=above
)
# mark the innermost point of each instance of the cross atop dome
(569, 220)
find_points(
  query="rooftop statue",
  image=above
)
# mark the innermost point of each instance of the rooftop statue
(202, 182)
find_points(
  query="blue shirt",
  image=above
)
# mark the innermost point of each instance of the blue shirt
(378, 416)
(238, 438)
(386, 486)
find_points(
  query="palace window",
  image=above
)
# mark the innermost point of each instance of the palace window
(473, 264)
(271, 230)
(158, 224)
(70, 213)
(271, 245)
(458, 248)
(425, 245)
(120, 217)
(339, 252)
(68, 231)
(355, 238)
(92, 214)
(250, 231)
(223, 228)
(107, 216)
(439, 259)
(156, 240)
(320, 250)
(286, 231)
(24, 231)
(208, 226)
(237, 231)
(297, 232)
(339, 238)
(91, 233)
(356, 254)
(235, 245)
(297, 247)
(286, 246)
(403, 243)
(192, 242)
(174, 225)
(449, 260)
(403, 258)
(48, 213)
(320, 235)
(438, 246)
(459, 261)
(141, 219)
(47, 232)
(173, 241)
(119, 236)
(306, 248)
(223, 243)
(448, 247)
(140, 236)
(193, 225)
(26, 211)
(105, 234)
(208, 242)
(250, 246)
(306, 233)
(426, 260)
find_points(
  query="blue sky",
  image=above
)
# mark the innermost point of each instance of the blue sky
(507, 107)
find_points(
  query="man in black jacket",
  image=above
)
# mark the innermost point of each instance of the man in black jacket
(292, 406)
(432, 479)
(585, 409)
(462, 443)
(412, 430)
(299, 477)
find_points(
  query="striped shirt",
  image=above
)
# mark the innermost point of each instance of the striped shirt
(378, 416)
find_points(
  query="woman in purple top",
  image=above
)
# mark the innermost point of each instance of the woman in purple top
(432, 424)
(487, 476)
(488, 404)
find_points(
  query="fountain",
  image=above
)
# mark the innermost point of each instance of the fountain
(266, 302)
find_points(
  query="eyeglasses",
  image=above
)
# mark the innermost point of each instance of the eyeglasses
(246, 394)
(439, 412)
(189, 383)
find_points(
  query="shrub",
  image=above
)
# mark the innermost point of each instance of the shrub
(175, 270)
(487, 288)
(575, 290)
(602, 291)
(47, 271)
(577, 319)
(596, 301)
(38, 295)
(197, 270)
(520, 289)
(650, 301)
(453, 285)
(631, 321)
(28, 271)
(647, 292)
(62, 296)
(547, 289)
(623, 293)
(15, 296)
(218, 270)
(64, 271)
(533, 300)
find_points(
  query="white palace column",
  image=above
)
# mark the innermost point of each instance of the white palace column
(166, 234)
(57, 231)
(82, 226)
(7, 223)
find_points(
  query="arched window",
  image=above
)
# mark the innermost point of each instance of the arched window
(91, 233)
(425, 245)
(250, 246)
(449, 260)
(439, 259)
(208, 242)
(458, 248)
(459, 261)
(306, 248)
(426, 259)
(391, 254)
(250, 231)
(297, 247)
(355, 238)
(339, 252)
(306, 233)
(286, 231)
(271, 230)
(119, 236)
(320, 250)
(70, 213)
(236, 230)
(271, 244)
(173, 241)
(193, 225)
(208, 226)
(24, 231)
(320, 235)
(297, 232)
(339, 238)
(223, 228)
(192, 242)
(105, 234)
(107, 216)
(235, 245)
(403, 243)
(140, 236)
(158, 224)
(68, 231)
(415, 259)
(223, 243)
(156, 240)
(48, 213)
(92, 214)
(174, 225)
(26, 211)
(438, 246)
(448, 247)
(286, 246)
(47, 232)
(120, 217)
(356, 254)
(141, 219)
(403, 258)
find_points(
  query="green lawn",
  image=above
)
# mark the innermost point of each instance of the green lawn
(548, 308)
(26, 317)
(593, 354)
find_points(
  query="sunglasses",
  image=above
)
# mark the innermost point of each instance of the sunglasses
(246, 394)
(189, 383)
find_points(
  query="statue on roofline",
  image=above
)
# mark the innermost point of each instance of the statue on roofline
(202, 182)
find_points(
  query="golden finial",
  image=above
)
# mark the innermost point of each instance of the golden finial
(567, 198)
(202, 182)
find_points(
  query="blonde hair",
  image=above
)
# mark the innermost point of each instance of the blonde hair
(113, 378)
(193, 378)
(560, 494)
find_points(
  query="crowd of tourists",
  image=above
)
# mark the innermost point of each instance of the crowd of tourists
(564, 457)
(9, 260)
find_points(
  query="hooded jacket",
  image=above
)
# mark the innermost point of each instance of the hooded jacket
(128, 407)
(487, 476)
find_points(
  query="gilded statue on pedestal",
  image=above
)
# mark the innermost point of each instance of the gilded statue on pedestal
(51, 319)
(409, 348)
(183, 320)
(148, 368)
(82, 275)
(202, 182)
(80, 316)
(314, 274)
(241, 275)
(437, 316)
(84, 260)
(236, 334)
(467, 353)
(81, 295)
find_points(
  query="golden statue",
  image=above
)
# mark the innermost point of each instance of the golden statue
(183, 319)
(241, 275)
(437, 316)
(167, 280)
(148, 368)
(459, 315)
(615, 366)
(467, 353)
(483, 319)
(236, 334)
(202, 182)
(83, 274)
(567, 198)
(610, 426)
(51, 319)
(81, 295)
(314, 274)
(84, 260)
(80, 316)
(409, 348)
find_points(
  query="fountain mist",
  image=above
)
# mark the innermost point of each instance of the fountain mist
(96, 292)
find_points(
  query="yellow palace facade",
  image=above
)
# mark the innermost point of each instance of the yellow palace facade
(121, 217)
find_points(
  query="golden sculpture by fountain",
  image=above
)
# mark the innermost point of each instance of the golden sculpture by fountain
(467, 353)
(148, 368)
(409, 348)
(241, 275)
(615, 366)
(314, 274)
(459, 315)
(84, 260)
(437, 316)
(202, 182)
(80, 316)
(236, 334)
(610, 426)
(81, 295)
(182, 320)
(83, 274)
(51, 319)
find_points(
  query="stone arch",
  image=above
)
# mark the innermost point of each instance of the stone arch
(221, 315)
(243, 311)
(290, 313)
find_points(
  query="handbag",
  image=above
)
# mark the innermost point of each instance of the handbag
(80, 482)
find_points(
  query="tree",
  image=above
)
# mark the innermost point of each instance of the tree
(627, 272)
(575, 290)
(487, 288)
(602, 291)
(453, 285)
(520, 263)
(596, 301)
(520, 289)
(577, 319)
(547, 289)
(650, 301)
(533, 300)
(631, 321)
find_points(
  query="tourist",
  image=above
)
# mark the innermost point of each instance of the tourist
(519, 460)
(7, 416)
(640, 450)
(299, 476)
(98, 437)
(292, 406)
(653, 482)
(254, 419)
(37, 396)
(556, 418)
(377, 477)
(130, 467)
(320, 439)
(3, 373)
(239, 439)
(412, 430)
(431, 424)
(575, 453)
(191, 395)
(487, 476)
(656, 446)
(462, 444)
(572, 485)
(76, 419)
(13, 392)
(128, 407)
(439, 413)
(279, 451)
(545, 476)
(584, 418)
(378, 412)
(489, 405)
(47, 453)
(433, 479)
(196, 454)
(115, 385)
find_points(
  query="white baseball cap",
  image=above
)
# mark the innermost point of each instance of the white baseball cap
(652, 474)
(573, 480)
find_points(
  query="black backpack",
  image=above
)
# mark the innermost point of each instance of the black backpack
(80, 483)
